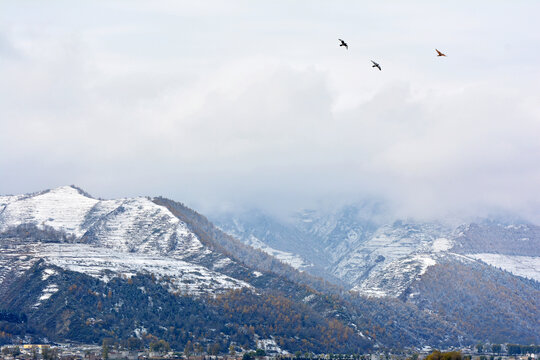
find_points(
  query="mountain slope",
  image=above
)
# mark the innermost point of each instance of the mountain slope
(126, 236)
(478, 299)
(421, 264)
(83, 269)
(79, 268)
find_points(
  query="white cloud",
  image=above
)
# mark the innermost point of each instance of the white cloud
(257, 105)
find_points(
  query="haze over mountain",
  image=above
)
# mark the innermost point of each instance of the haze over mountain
(359, 246)
(73, 267)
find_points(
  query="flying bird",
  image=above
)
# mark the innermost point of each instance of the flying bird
(376, 65)
(439, 53)
(343, 43)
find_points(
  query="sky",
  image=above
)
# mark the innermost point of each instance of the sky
(240, 104)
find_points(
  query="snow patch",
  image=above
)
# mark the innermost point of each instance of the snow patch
(392, 278)
(103, 264)
(48, 273)
(47, 293)
(288, 258)
(525, 266)
(441, 244)
(270, 347)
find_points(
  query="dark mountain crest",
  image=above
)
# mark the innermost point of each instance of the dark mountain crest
(221, 242)
(82, 192)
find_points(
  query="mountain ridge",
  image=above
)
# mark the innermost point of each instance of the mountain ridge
(57, 243)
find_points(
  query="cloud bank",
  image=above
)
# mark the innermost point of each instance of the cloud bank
(257, 106)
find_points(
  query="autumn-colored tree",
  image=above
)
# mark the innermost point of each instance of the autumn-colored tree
(451, 355)
(188, 349)
(160, 346)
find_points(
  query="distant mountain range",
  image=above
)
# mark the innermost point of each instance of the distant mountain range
(487, 272)
(77, 268)
(381, 259)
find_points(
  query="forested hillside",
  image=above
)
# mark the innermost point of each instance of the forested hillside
(76, 268)
(492, 304)
(84, 309)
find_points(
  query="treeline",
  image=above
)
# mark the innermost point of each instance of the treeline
(399, 325)
(294, 326)
(450, 355)
(31, 233)
(87, 310)
(514, 349)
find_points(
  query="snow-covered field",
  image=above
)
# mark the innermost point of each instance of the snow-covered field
(525, 266)
(103, 264)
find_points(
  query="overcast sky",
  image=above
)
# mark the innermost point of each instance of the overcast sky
(254, 104)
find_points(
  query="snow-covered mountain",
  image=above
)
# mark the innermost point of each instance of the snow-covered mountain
(111, 238)
(482, 277)
(376, 258)
(80, 268)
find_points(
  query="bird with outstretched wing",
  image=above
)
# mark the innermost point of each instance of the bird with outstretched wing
(439, 53)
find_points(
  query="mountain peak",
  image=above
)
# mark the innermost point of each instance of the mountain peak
(70, 190)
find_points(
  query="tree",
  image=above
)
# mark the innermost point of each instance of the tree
(105, 348)
(496, 348)
(188, 349)
(451, 355)
(479, 348)
(260, 352)
(160, 346)
(49, 354)
(213, 349)
(16, 351)
(134, 343)
(513, 349)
